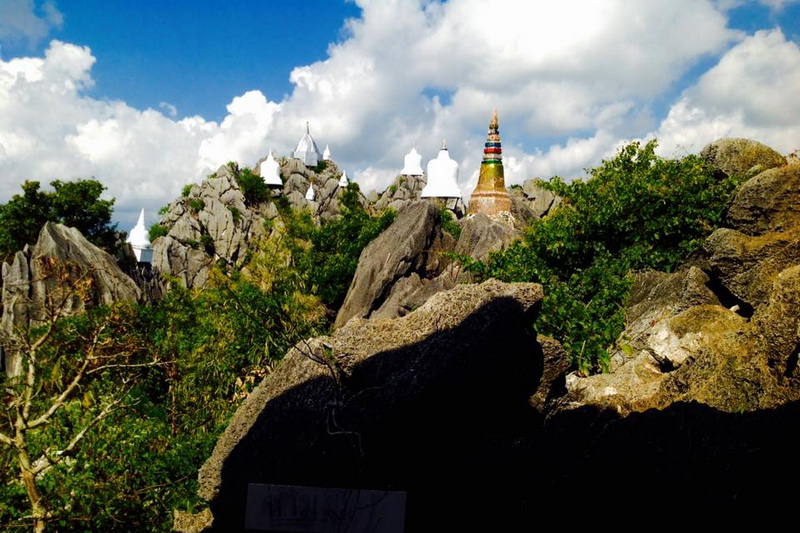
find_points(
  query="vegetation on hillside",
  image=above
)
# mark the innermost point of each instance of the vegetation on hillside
(636, 211)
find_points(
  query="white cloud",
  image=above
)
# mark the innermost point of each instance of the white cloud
(19, 21)
(753, 92)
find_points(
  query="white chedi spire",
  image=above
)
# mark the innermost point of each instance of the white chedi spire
(442, 177)
(310, 193)
(326, 155)
(139, 239)
(344, 182)
(270, 171)
(307, 150)
(412, 164)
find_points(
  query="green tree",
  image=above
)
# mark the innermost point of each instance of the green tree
(73, 203)
(77, 372)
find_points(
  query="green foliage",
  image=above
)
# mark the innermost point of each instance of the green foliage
(196, 205)
(163, 210)
(187, 189)
(156, 231)
(321, 165)
(637, 211)
(449, 222)
(73, 203)
(254, 189)
(329, 263)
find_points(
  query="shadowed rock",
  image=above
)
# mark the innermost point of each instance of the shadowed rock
(383, 403)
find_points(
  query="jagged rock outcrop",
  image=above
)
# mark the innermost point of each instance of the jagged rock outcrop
(211, 223)
(380, 403)
(46, 275)
(410, 261)
(214, 223)
(734, 156)
(768, 202)
(412, 246)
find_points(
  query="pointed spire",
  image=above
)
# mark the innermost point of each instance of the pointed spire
(139, 239)
(490, 195)
(140, 222)
(308, 132)
(494, 123)
(326, 154)
(310, 193)
(344, 182)
(444, 144)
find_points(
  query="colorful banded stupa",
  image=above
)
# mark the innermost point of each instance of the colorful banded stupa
(490, 195)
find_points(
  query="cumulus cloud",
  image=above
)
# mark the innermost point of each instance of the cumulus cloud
(572, 81)
(49, 129)
(751, 92)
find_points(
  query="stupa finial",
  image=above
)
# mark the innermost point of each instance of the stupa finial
(494, 124)
(490, 195)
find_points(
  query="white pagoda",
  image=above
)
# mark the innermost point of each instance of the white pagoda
(139, 239)
(310, 193)
(412, 164)
(326, 155)
(343, 182)
(270, 172)
(307, 150)
(442, 177)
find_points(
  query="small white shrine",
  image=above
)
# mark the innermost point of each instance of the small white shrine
(344, 182)
(307, 150)
(271, 172)
(412, 164)
(326, 155)
(442, 177)
(139, 239)
(310, 193)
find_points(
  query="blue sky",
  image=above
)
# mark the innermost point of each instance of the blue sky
(148, 96)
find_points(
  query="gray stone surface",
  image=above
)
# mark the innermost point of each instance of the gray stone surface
(365, 405)
(768, 202)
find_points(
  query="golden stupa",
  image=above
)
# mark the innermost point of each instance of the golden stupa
(490, 195)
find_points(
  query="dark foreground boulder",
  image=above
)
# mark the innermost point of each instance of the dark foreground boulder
(431, 403)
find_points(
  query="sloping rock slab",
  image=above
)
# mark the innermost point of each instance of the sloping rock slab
(411, 244)
(439, 396)
(768, 202)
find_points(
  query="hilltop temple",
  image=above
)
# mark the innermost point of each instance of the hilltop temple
(270, 172)
(442, 176)
(139, 239)
(490, 195)
(307, 150)
(412, 164)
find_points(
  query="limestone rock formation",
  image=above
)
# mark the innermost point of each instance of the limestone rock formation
(734, 156)
(380, 402)
(34, 277)
(211, 223)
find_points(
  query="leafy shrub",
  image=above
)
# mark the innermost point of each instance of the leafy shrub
(196, 205)
(156, 231)
(235, 214)
(637, 211)
(449, 222)
(208, 243)
(254, 189)
(187, 189)
(329, 263)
